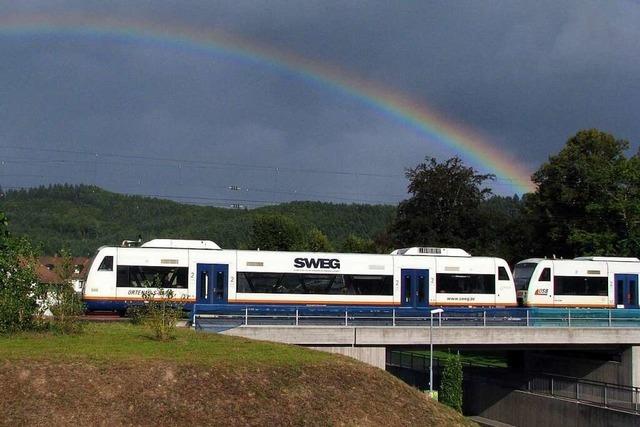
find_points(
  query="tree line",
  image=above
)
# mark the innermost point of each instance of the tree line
(82, 218)
(586, 202)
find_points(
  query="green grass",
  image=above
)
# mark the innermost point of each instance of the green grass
(123, 342)
(496, 360)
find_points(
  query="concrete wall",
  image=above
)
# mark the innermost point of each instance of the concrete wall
(374, 356)
(418, 336)
(524, 409)
(631, 364)
(621, 366)
(604, 367)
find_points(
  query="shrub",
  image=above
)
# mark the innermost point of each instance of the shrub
(19, 288)
(136, 314)
(64, 302)
(451, 384)
(66, 308)
(161, 312)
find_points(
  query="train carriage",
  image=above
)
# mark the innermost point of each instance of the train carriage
(201, 272)
(597, 282)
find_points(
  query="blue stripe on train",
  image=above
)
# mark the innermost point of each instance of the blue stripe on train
(109, 305)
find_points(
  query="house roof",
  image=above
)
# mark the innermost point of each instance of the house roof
(47, 266)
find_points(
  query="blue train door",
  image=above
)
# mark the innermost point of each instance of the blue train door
(415, 288)
(626, 290)
(211, 283)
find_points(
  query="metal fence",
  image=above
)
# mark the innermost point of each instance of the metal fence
(204, 315)
(601, 394)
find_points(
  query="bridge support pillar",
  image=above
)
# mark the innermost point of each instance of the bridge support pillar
(374, 356)
(631, 361)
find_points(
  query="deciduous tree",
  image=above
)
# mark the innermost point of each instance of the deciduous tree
(444, 207)
(355, 244)
(275, 232)
(317, 241)
(587, 200)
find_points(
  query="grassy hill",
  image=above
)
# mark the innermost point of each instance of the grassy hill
(83, 218)
(115, 374)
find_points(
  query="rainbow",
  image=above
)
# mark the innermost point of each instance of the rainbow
(435, 127)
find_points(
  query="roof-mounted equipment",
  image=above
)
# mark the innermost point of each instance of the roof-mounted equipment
(426, 251)
(180, 244)
(607, 258)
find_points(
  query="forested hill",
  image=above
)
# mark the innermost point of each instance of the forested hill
(83, 218)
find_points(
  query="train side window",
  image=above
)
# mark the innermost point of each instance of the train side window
(106, 264)
(580, 285)
(220, 284)
(421, 290)
(502, 274)
(545, 276)
(466, 283)
(318, 284)
(203, 285)
(138, 276)
(407, 288)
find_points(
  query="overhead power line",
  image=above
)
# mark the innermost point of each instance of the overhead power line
(208, 164)
(196, 163)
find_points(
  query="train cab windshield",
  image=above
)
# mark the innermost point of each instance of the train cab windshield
(522, 274)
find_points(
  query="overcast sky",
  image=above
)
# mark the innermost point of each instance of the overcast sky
(153, 118)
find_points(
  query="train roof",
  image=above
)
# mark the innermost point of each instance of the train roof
(608, 258)
(531, 261)
(428, 251)
(180, 244)
(581, 259)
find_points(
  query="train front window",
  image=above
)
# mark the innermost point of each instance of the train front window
(545, 276)
(522, 274)
(106, 264)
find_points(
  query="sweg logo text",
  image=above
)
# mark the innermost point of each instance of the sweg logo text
(316, 263)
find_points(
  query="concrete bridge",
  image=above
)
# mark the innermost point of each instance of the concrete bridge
(369, 334)
(599, 347)
(370, 343)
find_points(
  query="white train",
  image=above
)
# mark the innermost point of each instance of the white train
(201, 272)
(598, 282)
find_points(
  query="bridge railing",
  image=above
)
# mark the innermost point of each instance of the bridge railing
(602, 394)
(233, 315)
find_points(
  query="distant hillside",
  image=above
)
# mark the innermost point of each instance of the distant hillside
(83, 218)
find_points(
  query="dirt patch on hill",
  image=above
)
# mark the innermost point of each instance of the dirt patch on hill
(337, 392)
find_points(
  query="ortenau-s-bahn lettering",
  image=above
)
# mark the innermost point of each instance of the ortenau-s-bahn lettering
(316, 263)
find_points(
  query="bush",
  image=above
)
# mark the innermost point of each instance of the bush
(161, 313)
(64, 302)
(451, 384)
(135, 314)
(19, 288)
(66, 308)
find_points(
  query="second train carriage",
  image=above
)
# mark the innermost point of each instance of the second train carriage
(201, 272)
(596, 282)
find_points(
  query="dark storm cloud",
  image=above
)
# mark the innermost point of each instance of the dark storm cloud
(527, 75)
